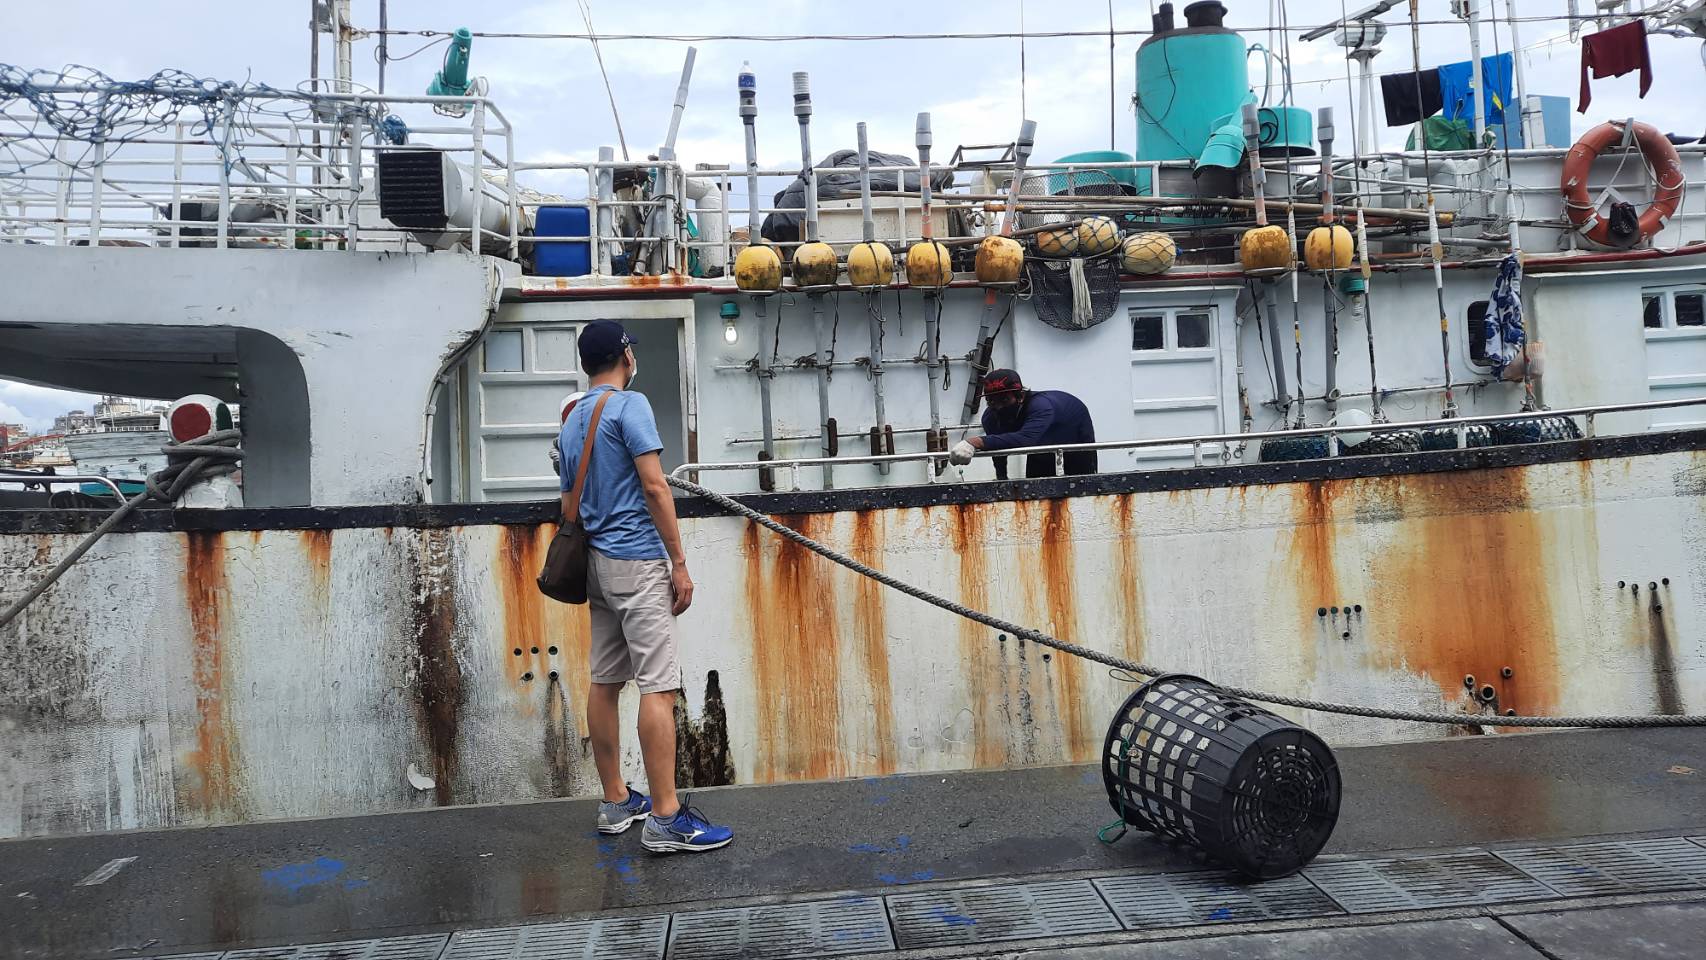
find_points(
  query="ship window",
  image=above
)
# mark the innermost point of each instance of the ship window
(1652, 310)
(1478, 333)
(554, 349)
(502, 352)
(1689, 311)
(1147, 332)
(1193, 330)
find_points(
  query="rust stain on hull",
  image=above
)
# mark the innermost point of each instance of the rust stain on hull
(796, 654)
(1666, 690)
(536, 625)
(871, 621)
(1128, 567)
(1060, 578)
(213, 764)
(702, 757)
(989, 741)
(1463, 589)
(317, 548)
(439, 693)
(1311, 560)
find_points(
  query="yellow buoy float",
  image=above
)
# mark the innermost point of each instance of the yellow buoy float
(1097, 235)
(1329, 248)
(814, 265)
(928, 264)
(999, 260)
(1058, 242)
(870, 265)
(1264, 248)
(1148, 254)
(758, 269)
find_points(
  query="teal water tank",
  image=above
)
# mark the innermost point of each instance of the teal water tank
(1187, 78)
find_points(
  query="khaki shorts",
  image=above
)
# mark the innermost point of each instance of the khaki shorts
(633, 629)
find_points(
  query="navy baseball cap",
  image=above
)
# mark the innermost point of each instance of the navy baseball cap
(1001, 381)
(602, 339)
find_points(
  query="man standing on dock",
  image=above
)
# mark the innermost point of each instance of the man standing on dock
(637, 584)
(1015, 417)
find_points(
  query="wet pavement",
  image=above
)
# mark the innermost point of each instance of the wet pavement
(442, 870)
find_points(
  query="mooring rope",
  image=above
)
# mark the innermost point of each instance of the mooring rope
(1144, 669)
(209, 455)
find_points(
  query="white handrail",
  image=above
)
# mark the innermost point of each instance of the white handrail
(1215, 439)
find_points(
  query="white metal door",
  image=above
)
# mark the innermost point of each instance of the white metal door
(1175, 380)
(1675, 324)
(517, 380)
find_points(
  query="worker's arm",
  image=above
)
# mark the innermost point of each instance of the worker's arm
(1039, 417)
(661, 505)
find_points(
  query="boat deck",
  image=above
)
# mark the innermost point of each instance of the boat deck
(972, 864)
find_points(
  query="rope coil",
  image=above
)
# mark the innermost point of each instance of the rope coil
(206, 456)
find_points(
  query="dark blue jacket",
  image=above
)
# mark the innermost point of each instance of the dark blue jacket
(1044, 417)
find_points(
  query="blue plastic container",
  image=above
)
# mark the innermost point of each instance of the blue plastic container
(570, 259)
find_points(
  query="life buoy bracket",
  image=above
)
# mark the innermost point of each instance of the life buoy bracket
(1661, 156)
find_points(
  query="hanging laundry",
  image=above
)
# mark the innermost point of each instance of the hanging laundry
(1614, 52)
(1504, 331)
(1400, 91)
(1455, 80)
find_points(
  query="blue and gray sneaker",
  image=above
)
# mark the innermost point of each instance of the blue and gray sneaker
(688, 831)
(618, 817)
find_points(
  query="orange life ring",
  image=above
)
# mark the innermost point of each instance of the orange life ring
(1660, 155)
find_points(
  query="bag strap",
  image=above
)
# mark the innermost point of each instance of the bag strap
(586, 457)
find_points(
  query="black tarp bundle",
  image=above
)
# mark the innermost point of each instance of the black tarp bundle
(838, 179)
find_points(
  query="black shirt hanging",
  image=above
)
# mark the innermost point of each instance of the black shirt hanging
(1399, 92)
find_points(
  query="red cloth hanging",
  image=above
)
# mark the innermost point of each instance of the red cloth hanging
(1614, 52)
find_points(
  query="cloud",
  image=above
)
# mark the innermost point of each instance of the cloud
(35, 407)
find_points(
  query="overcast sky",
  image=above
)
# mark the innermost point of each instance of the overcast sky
(554, 97)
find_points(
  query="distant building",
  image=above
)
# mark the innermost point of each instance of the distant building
(76, 421)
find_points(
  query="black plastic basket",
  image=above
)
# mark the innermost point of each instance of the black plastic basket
(1535, 430)
(1445, 438)
(1396, 441)
(1282, 449)
(1249, 788)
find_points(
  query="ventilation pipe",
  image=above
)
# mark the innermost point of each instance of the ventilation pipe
(826, 423)
(879, 431)
(937, 438)
(766, 373)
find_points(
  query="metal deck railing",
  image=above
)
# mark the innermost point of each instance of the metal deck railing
(280, 169)
(1231, 445)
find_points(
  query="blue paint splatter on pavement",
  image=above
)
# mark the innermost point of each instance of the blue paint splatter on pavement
(951, 918)
(902, 842)
(293, 877)
(354, 884)
(879, 800)
(1221, 913)
(897, 880)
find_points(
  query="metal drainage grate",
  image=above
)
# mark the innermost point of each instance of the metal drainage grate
(1179, 900)
(1588, 869)
(393, 948)
(1024, 911)
(1419, 883)
(816, 928)
(631, 938)
(215, 955)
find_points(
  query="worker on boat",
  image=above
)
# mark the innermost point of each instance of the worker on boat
(637, 584)
(1015, 417)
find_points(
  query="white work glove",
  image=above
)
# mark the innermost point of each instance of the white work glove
(962, 453)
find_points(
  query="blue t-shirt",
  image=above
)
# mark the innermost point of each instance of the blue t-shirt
(613, 507)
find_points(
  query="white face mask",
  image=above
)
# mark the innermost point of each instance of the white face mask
(633, 372)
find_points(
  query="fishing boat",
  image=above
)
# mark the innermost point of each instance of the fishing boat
(1414, 429)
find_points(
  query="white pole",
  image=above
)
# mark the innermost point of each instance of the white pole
(1528, 118)
(1476, 80)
